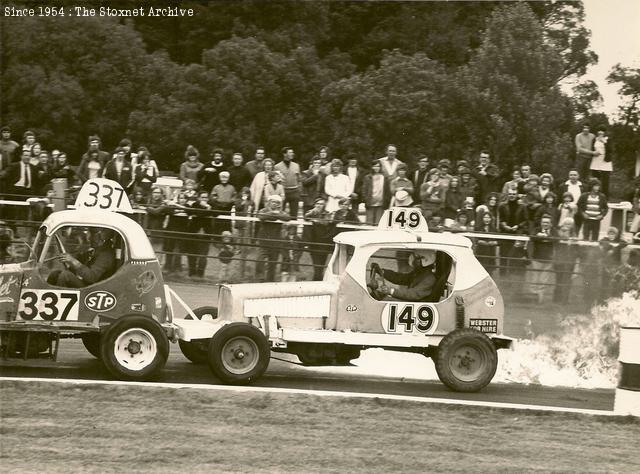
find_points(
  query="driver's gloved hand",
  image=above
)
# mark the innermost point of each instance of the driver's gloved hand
(375, 267)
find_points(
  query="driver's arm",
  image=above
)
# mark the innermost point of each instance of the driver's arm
(395, 277)
(104, 262)
(420, 292)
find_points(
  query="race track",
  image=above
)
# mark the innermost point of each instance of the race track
(284, 372)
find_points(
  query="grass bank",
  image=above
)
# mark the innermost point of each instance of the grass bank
(67, 428)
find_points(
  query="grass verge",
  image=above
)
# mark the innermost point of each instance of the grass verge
(88, 428)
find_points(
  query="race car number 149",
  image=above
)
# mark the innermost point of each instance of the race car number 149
(410, 318)
(48, 305)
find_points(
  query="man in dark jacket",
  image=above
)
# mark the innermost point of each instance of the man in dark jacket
(269, 236)
(415, 285)
(120, 170)
(239, 175)
(513, 220)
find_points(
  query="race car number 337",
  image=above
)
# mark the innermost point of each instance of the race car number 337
(48, 305)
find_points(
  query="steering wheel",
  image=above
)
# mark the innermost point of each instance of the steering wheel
(372, 284)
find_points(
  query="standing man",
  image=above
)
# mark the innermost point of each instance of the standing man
(209, 174)
(419, 176)
(312, 184)
(8, 149)
(290, 172)
(390, 163)
(356, 175)
(239, 175)
(119, 170)
(21, 178)
(255, 166)
(584, 151)
(94, 145)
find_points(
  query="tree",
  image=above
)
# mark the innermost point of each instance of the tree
(585, 99)
(629, 80)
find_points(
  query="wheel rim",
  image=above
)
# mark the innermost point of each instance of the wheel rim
(467, 362)
(135, 349)
(240, 355)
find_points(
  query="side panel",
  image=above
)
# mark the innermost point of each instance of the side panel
(10, 283)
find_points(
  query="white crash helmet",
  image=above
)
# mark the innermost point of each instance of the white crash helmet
(427, 257)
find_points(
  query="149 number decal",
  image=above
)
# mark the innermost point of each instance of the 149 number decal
(409, 318)
(48, 305)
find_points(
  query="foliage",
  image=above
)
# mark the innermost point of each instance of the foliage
(629, 80)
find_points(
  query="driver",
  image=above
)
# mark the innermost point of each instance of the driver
(100, 262)
(417, 284)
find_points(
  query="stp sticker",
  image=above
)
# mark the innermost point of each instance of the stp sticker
(410, 318)
(490, 301)
(100, 301)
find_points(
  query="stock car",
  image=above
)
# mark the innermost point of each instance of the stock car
(459, 324)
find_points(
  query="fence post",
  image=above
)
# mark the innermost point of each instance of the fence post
(627, 401)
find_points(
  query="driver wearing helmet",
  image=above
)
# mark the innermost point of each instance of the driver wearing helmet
(100, 262)
(415, 285)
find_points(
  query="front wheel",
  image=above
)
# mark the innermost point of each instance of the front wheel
(135, 348)
(466, 360)
(196, 351)
(238, 353)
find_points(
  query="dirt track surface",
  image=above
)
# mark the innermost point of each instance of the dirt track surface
(75, 362)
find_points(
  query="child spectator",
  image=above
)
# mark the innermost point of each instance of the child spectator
(592, 206)
(611, 247)
(567, 209)
(225, 255)
(291, 254)
(177, 222)
(564, 260)
(431, 193)
(223, 195)
(191, 165)
(244, 208)
(489, 207)
(200, 228)
(401, 181)
(345, 213)
(190, 191)
(319, 235)
(273, 186)
(549, 208)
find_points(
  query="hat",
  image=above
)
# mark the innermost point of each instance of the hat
(444, 162)
(224, 174)
(403, 198)
(428, 257)
(275, 198)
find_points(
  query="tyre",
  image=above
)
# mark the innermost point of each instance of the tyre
(134, 348)
(238, 353)
(196, 351)
(346, 354)
(466, 360)
(91, 343)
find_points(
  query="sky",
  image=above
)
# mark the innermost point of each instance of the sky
(615, 38)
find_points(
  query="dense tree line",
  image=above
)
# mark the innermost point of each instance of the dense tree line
(444, 79)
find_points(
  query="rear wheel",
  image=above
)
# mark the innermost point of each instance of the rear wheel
(134, 348)
(91, 342)
(466, 360)
(196, 351)
(239, 353)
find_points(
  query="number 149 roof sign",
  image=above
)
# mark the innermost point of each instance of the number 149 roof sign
(103, 194)
(403, 218)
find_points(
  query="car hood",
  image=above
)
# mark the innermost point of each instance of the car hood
(281, 289)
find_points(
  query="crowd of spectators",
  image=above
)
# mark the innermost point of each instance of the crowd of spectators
(465, 195)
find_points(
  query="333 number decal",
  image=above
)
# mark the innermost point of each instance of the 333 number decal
(410, 318)
(48, 305)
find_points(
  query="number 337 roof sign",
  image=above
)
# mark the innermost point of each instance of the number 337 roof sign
(103, 194)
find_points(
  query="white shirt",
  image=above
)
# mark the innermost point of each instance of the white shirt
(352, 173)
(336, 187)
(597, 162)
(25, 176)
(574, 189)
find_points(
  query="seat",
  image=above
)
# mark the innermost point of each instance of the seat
(442, 270)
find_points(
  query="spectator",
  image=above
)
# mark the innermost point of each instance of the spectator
(540, 274)
(138, 201)
(460, 166)
(226, 252)
(548, 207)
(191, 166)
(546, 181)
(435, 223)
(135, 161)
(325, 159)
(290, 171)
(516, 177)
(389, 163)
(453, 199)
(145, 173)
(401, 182)
(269, 235)
(532, 202)
(592, 206)
(336, 186)
(45, 173)
(200, 228)
(8, 149)
(444, 166)
(28, 141)
(222, 197)
(273, 187)
(431, 193)
(21, 178)
(634, 198)
(244, 208)
(256, 165)
(468, 185)
(177, 221)
(375, 193)
(94, 146)
(209, 174)
(489, 207)
(119, 170)
(512, 218)
(460, 224)
(485, 248)
(126, 146)
(239, 175)
(601, 165)
(345, 213)
(36, 149)
(312, 183)
(469, 208)
(488, 177)
(156, 216)
(319, 236)
(259, 182)
(567, 209)
(584, 151)
(291, 254)
(91, 167)
(62, 170)
(565, 256)
(189, 189)
(419, 176)
(611, 247)
(525, 175)
(355, 175)
(575, 187)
